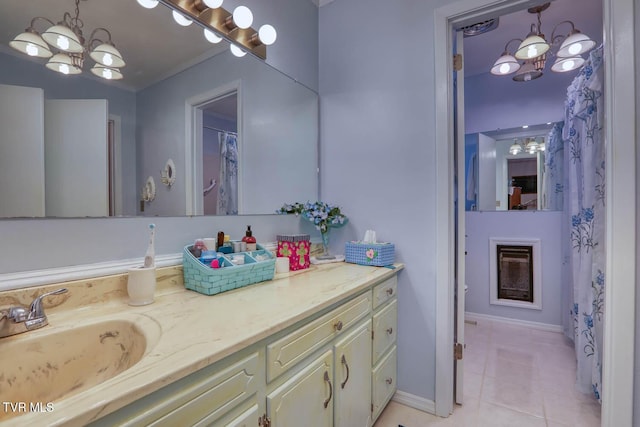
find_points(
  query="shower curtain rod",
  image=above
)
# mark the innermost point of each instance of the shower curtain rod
(220, 130)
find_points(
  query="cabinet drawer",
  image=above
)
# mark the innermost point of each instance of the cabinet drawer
(384, 382)
(385, 324)
(290, 349)
(384, 291)
(216, 394)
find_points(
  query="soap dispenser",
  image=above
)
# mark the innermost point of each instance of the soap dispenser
(249, 239)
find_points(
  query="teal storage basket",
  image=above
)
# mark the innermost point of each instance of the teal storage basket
(376, 254)
(210, 281)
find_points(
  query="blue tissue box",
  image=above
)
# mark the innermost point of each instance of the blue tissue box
(376, 254)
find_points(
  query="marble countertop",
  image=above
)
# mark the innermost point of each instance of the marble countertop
(195, 330)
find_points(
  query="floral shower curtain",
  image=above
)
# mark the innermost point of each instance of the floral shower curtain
(585, 166)
(228, 182)
(553, 176)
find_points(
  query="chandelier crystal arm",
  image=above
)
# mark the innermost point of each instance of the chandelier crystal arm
(555, 38)
(34, 20)
(506, 46)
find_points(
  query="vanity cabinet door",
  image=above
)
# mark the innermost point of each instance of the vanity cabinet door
(352, 407)
(306, 399)
(384, 382)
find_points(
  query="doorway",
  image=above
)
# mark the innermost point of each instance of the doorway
(620, 109)
(220, 155)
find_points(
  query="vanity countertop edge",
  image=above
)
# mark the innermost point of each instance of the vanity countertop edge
(198, 330)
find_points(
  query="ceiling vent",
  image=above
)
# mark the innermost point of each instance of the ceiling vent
(480, 27)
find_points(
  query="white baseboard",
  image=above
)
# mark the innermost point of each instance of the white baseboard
(415, 402)
(534, 325)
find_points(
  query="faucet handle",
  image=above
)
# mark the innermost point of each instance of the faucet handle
(36, 310)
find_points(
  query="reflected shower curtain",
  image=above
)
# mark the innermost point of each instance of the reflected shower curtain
(585, 166)
(553, 176)
(228, 182)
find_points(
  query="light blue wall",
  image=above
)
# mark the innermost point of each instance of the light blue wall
(378, 149)
(546, 226)
(278, 120)
(496, 102)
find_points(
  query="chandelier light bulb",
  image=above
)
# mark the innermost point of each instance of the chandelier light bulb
(211, 36)
(562, 65)
(575, 44)
(181, 19)
(107, 73)
(32, 44)
(236, 51)
(213, 4)
(107, 59)
(31, 49)
(504, 65)
(267, 34)
(62, 42)
(242, 17)
(148, 4)
(64, 68)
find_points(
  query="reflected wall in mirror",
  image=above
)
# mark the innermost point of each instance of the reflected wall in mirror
(89, 145)
(515, 169)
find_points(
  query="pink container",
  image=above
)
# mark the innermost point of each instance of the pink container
(296, 247)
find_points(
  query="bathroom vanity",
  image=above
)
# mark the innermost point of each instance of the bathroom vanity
(315, 347)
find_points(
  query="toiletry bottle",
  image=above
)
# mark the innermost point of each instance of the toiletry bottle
(226, 247)
(249, 239)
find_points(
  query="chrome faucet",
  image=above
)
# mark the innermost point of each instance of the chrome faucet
(16, 320)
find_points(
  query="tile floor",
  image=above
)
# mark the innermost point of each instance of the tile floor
(513, 376)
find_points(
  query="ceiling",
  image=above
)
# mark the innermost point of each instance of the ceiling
(480, 52)
(149, 39)
(152, 44)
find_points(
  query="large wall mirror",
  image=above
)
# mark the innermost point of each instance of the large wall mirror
(82, 146)
(515, 169)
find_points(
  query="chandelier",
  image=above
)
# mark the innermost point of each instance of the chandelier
(66, 48)
(533, 51)
(527, 145)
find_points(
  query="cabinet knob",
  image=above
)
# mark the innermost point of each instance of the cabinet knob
(390, 291)
(389, 331)
(338, 325)
(389, 381)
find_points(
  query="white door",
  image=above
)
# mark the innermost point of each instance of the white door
(21, 143)
(460, 229)
(352, 406)
(76, 163)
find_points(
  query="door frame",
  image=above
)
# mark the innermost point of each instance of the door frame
(193, 144)
(620, 136)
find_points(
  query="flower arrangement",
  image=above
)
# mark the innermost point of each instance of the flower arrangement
(322, 214)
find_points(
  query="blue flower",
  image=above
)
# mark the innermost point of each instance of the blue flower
(576, 220)
(575, 308)
(572, 131)
(600, 278)
(590, 109)
(587, 214)
(596, 393)
(588, 321)
(588, 71)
